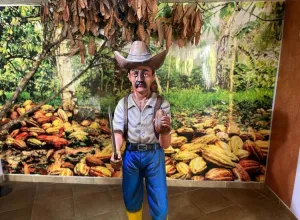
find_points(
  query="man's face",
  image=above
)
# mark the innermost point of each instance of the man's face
(141, 78)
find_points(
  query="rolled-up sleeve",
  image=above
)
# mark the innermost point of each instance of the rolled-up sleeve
(118, 121)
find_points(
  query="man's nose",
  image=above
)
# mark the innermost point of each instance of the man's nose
(140, 76)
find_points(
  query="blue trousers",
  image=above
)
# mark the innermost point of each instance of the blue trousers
(150, 165)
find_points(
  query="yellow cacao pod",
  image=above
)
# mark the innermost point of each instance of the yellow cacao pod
(197, 165)
(183, 168)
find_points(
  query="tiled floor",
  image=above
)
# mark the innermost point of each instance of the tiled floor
(44, 201)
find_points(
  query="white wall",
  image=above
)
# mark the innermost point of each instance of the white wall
(295, 206)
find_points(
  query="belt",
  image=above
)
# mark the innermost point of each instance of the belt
(142, 147)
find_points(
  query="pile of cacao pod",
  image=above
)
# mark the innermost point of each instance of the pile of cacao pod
(212, 151)
(51, 142)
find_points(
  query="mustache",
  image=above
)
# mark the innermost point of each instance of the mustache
(138, 83)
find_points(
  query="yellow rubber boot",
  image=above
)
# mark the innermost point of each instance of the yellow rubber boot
(135, 215)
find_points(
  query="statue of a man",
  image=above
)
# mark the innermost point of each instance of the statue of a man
(134, 118)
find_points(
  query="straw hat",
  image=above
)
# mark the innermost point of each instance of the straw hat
(140, 55)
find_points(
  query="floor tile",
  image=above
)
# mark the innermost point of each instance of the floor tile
(239, 195)
(21, 185)
(53, 209)
(262, 192)
(173, 190)
(22, 195)
(209, 200)
(181, 207)
(107, 216)
(83, 190)
(263, 208)
(230, 213)
(187, 189)
(19, 214)
(114, 186)
(54, 191)
(116, 193)
(96, 204)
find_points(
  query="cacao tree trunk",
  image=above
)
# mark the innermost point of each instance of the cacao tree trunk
(159, 89)
(65, 74)
(168, 79)
(231, 78)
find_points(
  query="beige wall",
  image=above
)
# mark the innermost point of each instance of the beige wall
(285, 137)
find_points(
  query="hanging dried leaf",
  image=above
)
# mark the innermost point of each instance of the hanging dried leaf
(74, 8)
(70, 36)
(133, 4)
(96, 18)
(62, 5)
(66, 14)
(65, 30)
(88, 25)
(82, 26)
(119, 22)
(197, 38)
(81, 14)
(92, 46)
(147, 39)
(76, 20)
(139, 9)
(144, 11)
(141, 32)
(56, 17)
(160, 31)
(102, 9)
(185, 26)
(82, 51)
(190, 8)
(46, 9)
(177, 14)
(168, 36)
(107, 13)
(152, 26)
(129, 34)
(81, 4)
(82, 58)
(181, 42)
(123, 37)
(106, 3)
(74, 50)
(95, 29)
(122, 6)
(130, 16)
(198, 22)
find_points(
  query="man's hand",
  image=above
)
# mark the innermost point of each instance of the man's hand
(116, 164)
(162, 123)
(166, 125)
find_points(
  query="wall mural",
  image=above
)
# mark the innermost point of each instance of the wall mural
(221, 95)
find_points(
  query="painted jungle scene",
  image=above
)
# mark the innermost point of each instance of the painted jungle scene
(58, 77)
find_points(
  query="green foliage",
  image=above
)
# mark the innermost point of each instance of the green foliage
(21, 41)
(197, 99)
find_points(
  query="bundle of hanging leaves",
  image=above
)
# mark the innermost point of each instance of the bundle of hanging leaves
(129, 20)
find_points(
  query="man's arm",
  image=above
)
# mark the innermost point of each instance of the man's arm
(165, 140)
(118, 124)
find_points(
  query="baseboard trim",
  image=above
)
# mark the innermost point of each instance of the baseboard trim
(118, 181)
(272, 195)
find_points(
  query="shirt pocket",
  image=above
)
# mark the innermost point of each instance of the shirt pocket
(149, 119)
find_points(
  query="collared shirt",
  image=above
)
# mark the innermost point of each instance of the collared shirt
(140, 122)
